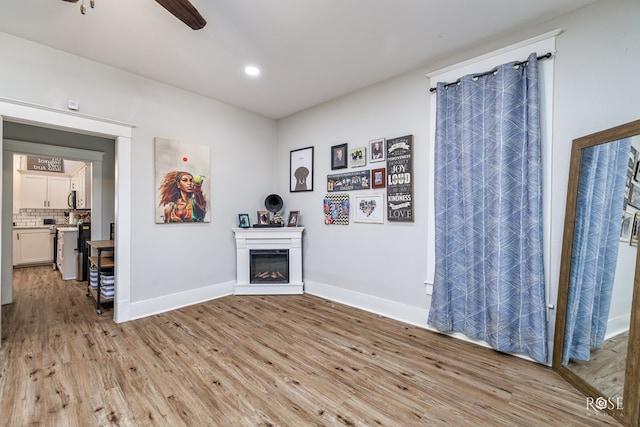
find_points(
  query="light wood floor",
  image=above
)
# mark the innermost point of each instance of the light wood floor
(257, 361)
(605, 370)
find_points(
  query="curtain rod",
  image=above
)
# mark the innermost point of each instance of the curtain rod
(486, 73)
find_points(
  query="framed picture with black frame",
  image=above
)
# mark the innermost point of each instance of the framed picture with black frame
(301, 170)
(339, 156)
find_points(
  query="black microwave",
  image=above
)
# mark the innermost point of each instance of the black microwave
(72, 200)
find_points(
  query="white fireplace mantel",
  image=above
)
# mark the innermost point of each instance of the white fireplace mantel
(248, 239)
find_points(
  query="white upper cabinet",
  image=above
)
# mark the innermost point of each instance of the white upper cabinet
(50, 189)
(80, 184)
(44, 191)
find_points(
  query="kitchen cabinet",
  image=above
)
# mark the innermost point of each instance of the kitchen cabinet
(67, 256)
(80, 183)
(44, 191)
(32, 246)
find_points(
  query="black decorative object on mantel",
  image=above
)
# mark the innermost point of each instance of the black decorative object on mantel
(273, 203)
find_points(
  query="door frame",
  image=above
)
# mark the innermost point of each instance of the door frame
(47, 117)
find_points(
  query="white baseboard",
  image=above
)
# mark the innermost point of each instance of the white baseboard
(618, 325)
(416, 316)
(182, 299)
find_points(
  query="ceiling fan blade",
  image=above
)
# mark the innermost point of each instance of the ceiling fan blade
(184, 11)
(71, 1)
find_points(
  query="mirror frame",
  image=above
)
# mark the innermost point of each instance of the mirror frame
(630, 413)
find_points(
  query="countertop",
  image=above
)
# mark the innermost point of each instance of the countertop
(33, 227)
(68, 228)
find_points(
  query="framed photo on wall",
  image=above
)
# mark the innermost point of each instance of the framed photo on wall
(368, 208)
(627, 225)
(346, 181)
(339, 156)
(378, 178)
(336, 208)
(301, 170)
(634, 196)
(635, 230)
(358, 157)
(633, 158)
(377, 151)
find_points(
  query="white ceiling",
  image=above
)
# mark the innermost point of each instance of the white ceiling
(309, 51)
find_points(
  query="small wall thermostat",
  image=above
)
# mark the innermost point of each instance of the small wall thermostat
(73, 105)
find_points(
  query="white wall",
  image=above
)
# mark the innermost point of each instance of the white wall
(382, 260)
(166, 259)
(382, 267)
(378, 267)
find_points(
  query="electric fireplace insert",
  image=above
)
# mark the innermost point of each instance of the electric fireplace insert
(269, 266)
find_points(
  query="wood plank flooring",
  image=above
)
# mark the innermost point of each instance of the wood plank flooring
(605, 370)
(257, 361)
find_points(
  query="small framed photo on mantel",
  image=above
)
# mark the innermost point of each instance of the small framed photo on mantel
(292, 221)
(263, 218)
(243, 221)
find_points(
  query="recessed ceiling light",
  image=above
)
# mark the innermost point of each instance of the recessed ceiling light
(251, 70)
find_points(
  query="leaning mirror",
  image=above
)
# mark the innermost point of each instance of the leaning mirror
(597, 336)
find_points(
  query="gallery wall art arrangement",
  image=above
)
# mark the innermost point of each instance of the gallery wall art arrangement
(397, 177)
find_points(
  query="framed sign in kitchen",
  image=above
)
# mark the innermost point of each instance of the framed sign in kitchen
(44, 164)
(400, 179)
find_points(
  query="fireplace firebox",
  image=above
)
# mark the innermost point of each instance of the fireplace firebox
(269, 266)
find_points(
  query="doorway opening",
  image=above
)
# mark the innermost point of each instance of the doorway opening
(45, 120)
(42, 200)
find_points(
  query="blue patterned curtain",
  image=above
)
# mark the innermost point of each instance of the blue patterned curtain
(489, 278)
(596, 241)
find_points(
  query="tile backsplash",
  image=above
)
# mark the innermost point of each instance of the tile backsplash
(35, 217)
